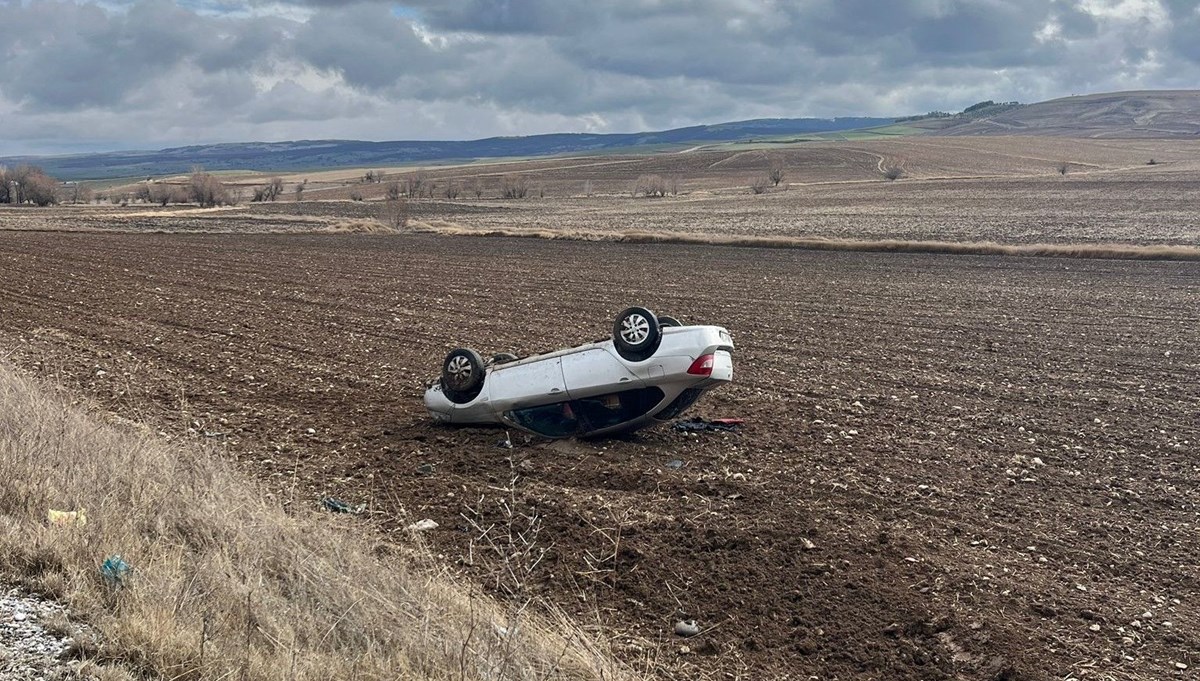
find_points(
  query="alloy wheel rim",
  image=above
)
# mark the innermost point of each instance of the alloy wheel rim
(459, 370)
(635, 329)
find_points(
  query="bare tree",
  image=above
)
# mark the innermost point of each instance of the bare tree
(412, 185)
(1063, 167)
(206, 190)
(392, 191)
(270, 191)
(299, 190)
(394, 213)
(651, 185)
(452, 190)
(373, 177)
(514, 186)
(587, 188)
(28, 184)
(162, 194)
(775, 171)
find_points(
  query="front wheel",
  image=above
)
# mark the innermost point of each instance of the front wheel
(666, 321)
(636, 334)
(462, 375)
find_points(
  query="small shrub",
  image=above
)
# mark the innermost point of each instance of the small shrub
(892, 173)
(1152, 162)
(759, 185)
(1063, 167)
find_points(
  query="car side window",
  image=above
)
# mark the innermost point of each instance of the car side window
(551, 420)
(604, 411)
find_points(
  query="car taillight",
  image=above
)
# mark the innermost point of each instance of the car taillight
(703, 366)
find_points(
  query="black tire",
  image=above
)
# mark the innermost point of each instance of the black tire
(504, 358)
(636, 334)
(665, 321)
(462, 375)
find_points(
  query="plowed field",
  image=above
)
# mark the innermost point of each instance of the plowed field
(952, 467)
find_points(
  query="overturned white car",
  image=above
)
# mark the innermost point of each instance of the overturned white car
(651, 370)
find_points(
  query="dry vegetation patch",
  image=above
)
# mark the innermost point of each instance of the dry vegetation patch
(224, 584)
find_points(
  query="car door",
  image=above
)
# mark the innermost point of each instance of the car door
(596, 371)
(527, 384)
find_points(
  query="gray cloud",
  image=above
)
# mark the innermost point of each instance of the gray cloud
(139, 73)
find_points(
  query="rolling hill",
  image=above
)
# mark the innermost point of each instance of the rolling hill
(1127, 115)
(313, 154)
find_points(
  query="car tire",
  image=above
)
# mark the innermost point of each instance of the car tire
(636, 334)
(462, 375)
(665, 321)
(504, 358)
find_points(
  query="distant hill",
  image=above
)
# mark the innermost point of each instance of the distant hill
(314, 154)
(1142, 114)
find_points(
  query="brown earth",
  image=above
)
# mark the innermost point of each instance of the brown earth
(952, 466)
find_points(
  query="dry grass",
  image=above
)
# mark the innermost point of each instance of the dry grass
(1102, 251)
(361, 226)
(225, 585)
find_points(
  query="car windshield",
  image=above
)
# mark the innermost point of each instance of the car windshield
(564, 419)
(605, 411)
(551, 420)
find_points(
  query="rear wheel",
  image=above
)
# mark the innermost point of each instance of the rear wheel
(462, 375)
(503, 358)
(636, 334)
(665, 321)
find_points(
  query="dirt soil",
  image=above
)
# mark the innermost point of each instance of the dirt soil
(952, 467)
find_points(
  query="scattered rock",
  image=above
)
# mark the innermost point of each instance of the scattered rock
(675, 464)
(425, 469)
(423, 525)
(807, 544)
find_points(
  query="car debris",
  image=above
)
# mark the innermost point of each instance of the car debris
(338, 506)
(649, 371)
(701, 425)
(686, 628)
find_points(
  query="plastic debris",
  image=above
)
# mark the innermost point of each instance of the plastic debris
(423, 525)
(78, 518)
(700, 425)
(686, 628)
(339, 506)
(675, 464)
(114, 570)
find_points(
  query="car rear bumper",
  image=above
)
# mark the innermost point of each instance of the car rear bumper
(722, 366)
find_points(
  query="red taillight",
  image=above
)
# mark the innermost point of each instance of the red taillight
(703, 366)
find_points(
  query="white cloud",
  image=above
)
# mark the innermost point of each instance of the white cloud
(141, 73)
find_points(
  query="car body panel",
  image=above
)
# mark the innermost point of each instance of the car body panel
(590, 389)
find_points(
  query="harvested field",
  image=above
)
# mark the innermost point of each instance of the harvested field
(953, 466)
(995, 190)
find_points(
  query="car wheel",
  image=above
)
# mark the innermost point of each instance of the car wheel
(504, 358)
(636, 334)
(462, 375)
(668, 321)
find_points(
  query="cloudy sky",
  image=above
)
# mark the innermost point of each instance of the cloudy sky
(80, 75)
